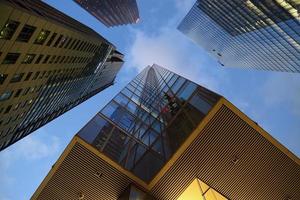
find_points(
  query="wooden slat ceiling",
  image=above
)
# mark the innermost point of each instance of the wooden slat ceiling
(76, 175)
(262, 171)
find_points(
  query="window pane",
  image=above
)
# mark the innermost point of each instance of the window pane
(2, 78)
(39, 59)
(26, 33)
(95, 128)
(11, 58)
(28, 58)
(51, 39)
(17, 77)
(58, 40)
(6, 95)
(177, 84)
(42, 37)
(8, 29)
(186, 91)
(121, 99)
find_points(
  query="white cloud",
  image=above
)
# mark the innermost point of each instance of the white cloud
(184, 6)
(172, 50)
(39, 145)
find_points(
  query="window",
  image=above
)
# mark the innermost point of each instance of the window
(62, 59)
(67, 44)
(187, 89)
(57, 41)
(42, 37)
(63, 41)
(38, 60)
(72, 43)
(26, 91)
(51, 39)
(11, 58)
(2, 78)
(36, 75)
(57, 59)
(7, 109)
(9, 29)
(76, 44)
(5, 95)
(26, 33)
(46, 59)
(28, 76)
(28, 59)
(17, 78)
(52, 59)
(18, 92)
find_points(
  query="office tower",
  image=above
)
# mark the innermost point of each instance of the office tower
(112, 12)
(165, 137)
(262, 34)
(49, 63)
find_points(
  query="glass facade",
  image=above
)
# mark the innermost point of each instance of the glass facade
(144, 125)
(260, 34)
(112, 12)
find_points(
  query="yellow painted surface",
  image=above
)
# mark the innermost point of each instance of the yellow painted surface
(193, 192)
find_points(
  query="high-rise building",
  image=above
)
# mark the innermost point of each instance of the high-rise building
(112, 12)
(262, 34)
(49, 63)
(165, 137)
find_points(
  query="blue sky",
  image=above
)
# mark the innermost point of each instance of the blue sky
(271, 99)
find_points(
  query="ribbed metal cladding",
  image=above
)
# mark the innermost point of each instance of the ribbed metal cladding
(262, 171)
(76, 175)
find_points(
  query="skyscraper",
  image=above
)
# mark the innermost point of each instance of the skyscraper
(165, 137)
(49, 63)
(262, 34)
(112, 12)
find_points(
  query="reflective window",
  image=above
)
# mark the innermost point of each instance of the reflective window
(46, 59)
(2, 78)
(26, 33)
(187, 89)
(5, 95)
(17, 78)
(94, 130)
(28, 58)
(11, 58)
(177, 84)
(9, 29)
(38, 60)
(42, 37)
(51, 39)
(179, 130)
(58, 40)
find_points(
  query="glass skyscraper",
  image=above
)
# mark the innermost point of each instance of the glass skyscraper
(165, 137)
(148, 120)
(112, 12)
(260, 34)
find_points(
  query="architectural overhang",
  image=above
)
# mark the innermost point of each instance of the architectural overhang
(227, 150)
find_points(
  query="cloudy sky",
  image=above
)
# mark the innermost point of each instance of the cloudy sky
(271, 99)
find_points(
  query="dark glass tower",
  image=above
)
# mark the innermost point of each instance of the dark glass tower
(260, 34)
(49, 63)
(136, 125)
(165, 137)
(112, 12)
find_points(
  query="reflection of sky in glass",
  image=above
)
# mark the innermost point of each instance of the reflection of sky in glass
(271, 44)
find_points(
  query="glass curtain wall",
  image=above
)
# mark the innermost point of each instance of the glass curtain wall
(148, 120)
